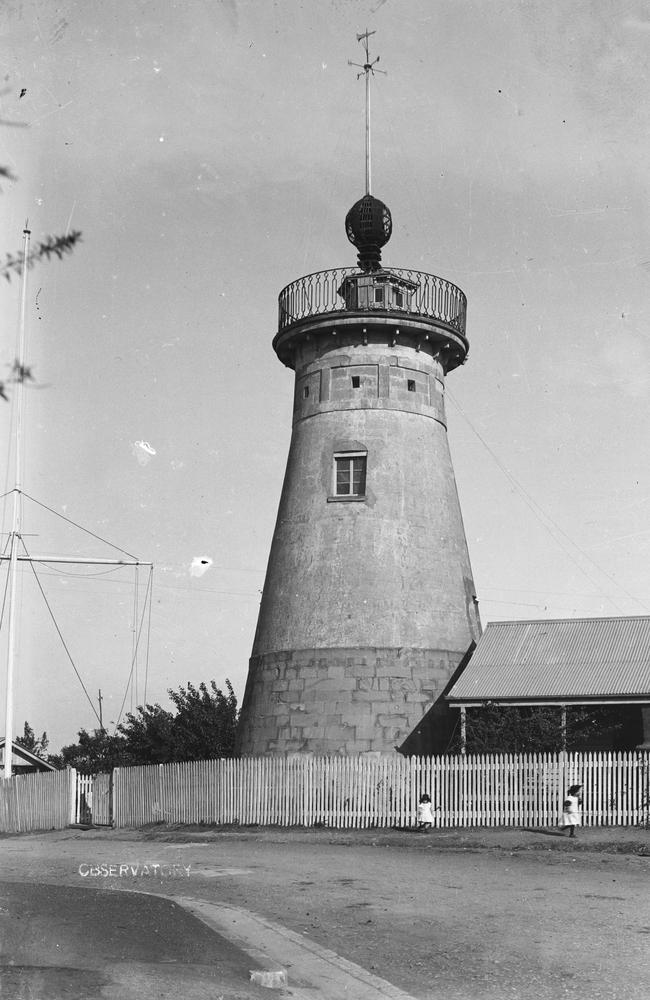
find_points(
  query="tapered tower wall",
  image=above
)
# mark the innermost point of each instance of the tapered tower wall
(368, 605)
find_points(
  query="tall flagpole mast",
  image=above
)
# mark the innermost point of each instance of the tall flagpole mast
(20, 372)
(18, 402)
(367, 70)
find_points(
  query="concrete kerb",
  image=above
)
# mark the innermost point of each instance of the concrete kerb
(284, 960)
(312, 971)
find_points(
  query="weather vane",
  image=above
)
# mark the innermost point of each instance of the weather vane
(367, 69)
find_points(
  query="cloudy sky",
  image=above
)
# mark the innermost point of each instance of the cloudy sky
(209, 151)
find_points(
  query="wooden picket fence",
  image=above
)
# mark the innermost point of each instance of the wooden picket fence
(343, 792)
(42, 801)
(383, 791)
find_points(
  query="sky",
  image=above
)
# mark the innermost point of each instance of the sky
(209, 151)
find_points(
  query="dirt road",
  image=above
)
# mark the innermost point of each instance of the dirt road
(438, 919)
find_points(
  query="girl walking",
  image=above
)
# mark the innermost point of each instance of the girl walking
(571, 817)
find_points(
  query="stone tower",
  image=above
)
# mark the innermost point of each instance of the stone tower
(368, 605)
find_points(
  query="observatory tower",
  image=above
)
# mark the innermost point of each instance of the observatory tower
(368, 604)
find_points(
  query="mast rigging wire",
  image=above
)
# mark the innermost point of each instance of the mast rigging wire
(4, 599)
(60, 634)
(81, 528)
(128, 683)
(148, 646)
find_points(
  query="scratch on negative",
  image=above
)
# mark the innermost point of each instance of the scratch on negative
(54, 111)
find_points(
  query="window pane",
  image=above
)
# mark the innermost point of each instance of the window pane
(343, 476)
(358, 476)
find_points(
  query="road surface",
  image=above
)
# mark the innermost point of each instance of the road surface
(400, 915)
(66, 941)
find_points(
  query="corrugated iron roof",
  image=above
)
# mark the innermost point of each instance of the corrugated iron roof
(561, 658)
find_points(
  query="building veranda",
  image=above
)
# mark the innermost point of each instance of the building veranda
(564, 664)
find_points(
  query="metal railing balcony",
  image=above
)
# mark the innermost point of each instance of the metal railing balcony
(323, 292)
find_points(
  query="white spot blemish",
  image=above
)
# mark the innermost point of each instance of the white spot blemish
(200, 565)
(143, 451)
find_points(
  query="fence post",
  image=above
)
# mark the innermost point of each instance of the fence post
(113, 801)
(72, 795)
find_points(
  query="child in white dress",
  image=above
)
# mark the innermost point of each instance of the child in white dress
(424, 813)
(571, 817)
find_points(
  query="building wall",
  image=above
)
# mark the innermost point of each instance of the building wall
(373, 600)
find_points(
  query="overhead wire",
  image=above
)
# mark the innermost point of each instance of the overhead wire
(164, 586)
(78, 576)
(523, 590)
(542, 516)
(530, 502)
(521, 604)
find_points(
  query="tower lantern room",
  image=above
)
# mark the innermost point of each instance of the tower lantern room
(368, 605)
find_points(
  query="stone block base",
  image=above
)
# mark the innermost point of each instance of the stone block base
(344, 701)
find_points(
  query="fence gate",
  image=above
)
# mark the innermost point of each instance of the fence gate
(94, 799)
(102, 795)
(83, 799)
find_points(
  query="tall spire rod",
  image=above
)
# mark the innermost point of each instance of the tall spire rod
(18, 403)
(367, 69)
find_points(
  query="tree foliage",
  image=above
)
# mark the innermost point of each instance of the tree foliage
(202, 727)
(538, 729)
(51, 246)
(206, 721)
(44, 250)
(148, 736)
(93, 752)
(29, 741)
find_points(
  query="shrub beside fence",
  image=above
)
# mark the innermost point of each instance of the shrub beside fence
(37, 801)
(383, 791)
